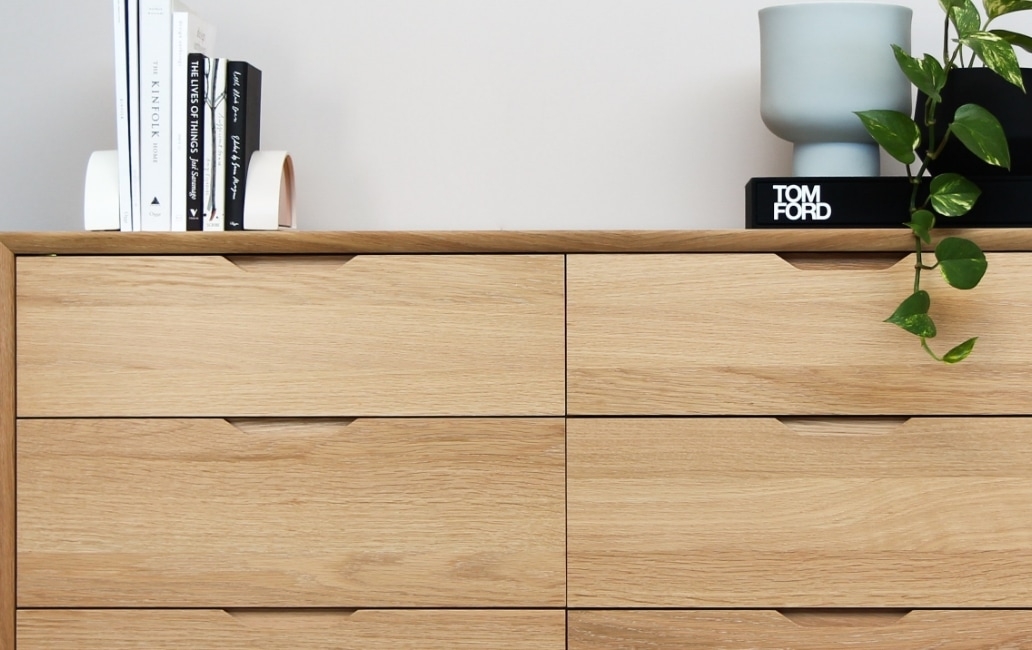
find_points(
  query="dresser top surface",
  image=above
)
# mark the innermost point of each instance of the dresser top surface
(499, 241)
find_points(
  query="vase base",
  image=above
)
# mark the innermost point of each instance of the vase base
(836, 159)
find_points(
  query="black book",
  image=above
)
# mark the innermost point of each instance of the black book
(243, 134)
(195, 141)
(877, 202)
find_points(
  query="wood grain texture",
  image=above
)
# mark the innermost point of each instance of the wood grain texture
(494, 241)
(749, 334)
(376, 513)
(745, 512)
(378, 336)
(763, 630)
(362, 630)
(8, 516)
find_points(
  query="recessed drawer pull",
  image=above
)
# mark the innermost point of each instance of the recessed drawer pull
(879, 261)
(289, 426)
(844, 617)
(263, 617)
(288, 263)
(844, 426)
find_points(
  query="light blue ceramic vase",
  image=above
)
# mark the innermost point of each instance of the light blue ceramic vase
(819, 63)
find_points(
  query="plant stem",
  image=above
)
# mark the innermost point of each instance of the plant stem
(932, 151)
(918, 249)
(924, 344)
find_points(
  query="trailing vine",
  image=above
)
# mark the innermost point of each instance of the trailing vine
(959, 260)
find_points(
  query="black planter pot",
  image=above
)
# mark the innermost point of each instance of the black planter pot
(1004, 100)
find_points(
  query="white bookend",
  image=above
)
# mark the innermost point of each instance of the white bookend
(100, 195)
(122, 128)
(269, 200)
(156, 111)
(189, 34)
(215, 146)
(132, 43)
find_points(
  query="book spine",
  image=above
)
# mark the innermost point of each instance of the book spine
(155, 105)
(189, 34)
(243, 134)
(122, 130)
(207, 141)
(194, 164)
(133, 57)
(215, 199)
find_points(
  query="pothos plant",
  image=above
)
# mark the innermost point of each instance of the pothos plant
(967, 37)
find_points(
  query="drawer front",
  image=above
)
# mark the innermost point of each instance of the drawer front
(751, 334)
(754, 512)
(377, 335)
(375, 513)
(761, 630)
(297, 630)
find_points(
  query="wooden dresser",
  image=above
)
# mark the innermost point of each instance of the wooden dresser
(512, 441)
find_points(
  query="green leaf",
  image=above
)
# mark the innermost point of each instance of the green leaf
(921, 222)
(997, 8)
(927, 73)
(982, 134)
(912, 315)
(964, 16)
(997, 55)
(1014, 38)
(952, 195)
(896, 132)
(960, 352)
(961, 262)
(949, 4)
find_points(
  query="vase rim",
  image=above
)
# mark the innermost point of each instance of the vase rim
(836, 3)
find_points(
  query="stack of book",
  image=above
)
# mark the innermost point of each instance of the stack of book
(187, 121)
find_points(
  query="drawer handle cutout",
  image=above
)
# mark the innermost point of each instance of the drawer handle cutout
(288, 263)
(844, 617)
(258, 617)
(288, 426)
(844, 426)
(843, 261)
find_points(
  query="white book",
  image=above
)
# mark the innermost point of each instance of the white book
(189, 34)
(132, 43)
(122, 127)
(156, 112)
(215, 146)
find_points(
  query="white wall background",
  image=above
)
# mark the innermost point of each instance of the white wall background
(438, 114)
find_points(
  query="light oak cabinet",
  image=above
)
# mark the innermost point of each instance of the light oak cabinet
(762, 513)
(175, 336)
(447, 512)
(290, 451)
(520, 441)
(771, 630)
(775, 335)
(295, 630)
